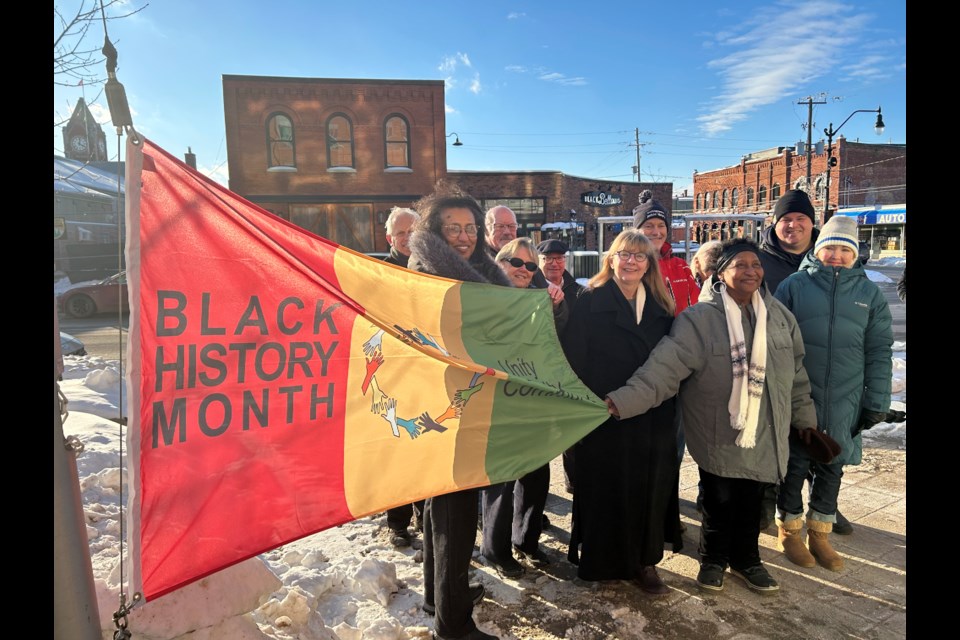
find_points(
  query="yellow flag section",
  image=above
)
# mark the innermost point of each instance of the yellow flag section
(460, 385)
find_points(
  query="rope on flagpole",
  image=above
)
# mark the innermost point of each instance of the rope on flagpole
(123, 121)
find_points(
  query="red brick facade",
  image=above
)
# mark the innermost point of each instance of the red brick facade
(347, 204)
(317, 152)
(865, 174)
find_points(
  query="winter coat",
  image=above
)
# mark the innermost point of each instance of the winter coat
(396, 258)
(430, 253)
(901, 286)
(847, 334)
(777, 262)
(695, 359)
(679, 279)
(626, 504)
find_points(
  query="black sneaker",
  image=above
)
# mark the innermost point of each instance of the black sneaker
(476, 634)
(710, 577)
(476, 590)
(400, 539)
(842, 526)
(535, 559)
(544, 522)
(757, 579)
(508, 567)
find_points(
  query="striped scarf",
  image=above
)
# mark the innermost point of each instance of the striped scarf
(748, 374)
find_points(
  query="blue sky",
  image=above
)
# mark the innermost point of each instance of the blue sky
(530, 86)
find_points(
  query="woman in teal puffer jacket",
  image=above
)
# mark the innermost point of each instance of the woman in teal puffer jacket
(846, 327)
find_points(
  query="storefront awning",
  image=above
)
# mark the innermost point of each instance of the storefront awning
(894, 214)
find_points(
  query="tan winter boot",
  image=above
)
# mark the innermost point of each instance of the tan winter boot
(789, 541)
(818, 537)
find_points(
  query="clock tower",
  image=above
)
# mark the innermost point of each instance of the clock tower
(83, 138)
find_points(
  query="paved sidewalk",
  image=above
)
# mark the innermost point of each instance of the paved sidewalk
(867, 600)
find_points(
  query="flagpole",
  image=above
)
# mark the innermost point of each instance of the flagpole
(75, 613)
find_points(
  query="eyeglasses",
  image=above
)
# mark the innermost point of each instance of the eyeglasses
(559, 258)
(501, 227)
(517, 262)
(454, 230)
(639, 256)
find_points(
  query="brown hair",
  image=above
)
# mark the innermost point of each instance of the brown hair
(633, 240)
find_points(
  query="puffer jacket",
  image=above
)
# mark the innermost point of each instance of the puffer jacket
(694, 359)
(847, 333)
(679, 279)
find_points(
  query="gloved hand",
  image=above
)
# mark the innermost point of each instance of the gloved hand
(894, 416)
(818, 444)
(868, 419)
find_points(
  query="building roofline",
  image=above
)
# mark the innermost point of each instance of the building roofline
(549, 172)
(241, 78)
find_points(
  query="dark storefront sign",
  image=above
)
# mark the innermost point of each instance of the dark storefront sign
(600, 199)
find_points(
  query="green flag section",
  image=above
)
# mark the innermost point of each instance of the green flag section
(280, 384)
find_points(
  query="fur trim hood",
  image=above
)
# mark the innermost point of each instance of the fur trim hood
(429, 253)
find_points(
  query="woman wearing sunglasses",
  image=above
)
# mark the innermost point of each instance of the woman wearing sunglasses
(513, 511)
(448, 242)
(626, 506)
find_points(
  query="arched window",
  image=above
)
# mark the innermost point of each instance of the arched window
(396, 137)
(734, 198)
(716, 199)
(339, 142)
(699, 201)
(819, 187)
(761, 195)
(749, 196)
(723, 200)
(281, 149)
(775, 192)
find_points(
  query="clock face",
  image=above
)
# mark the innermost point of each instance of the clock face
(78, 144)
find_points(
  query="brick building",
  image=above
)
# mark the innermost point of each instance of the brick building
(870, 175)
(334, 155)
(553, 204)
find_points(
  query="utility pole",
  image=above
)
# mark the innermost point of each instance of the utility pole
(809, 101)
(636, 143)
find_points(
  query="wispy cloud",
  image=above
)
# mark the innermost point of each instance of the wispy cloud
(548, 76)
(559, 78)
(515, 15)
(475, 86)
(870, 68)
(775, 51)
(449, 64)
(448, 109)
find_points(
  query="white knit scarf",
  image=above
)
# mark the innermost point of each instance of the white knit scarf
(748, 375)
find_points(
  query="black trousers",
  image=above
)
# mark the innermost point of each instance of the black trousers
(399, 518)
(449, 533)
(730, 530)
(513, 514)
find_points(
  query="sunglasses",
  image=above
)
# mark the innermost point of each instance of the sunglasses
(517, 262)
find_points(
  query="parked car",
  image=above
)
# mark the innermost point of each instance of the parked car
(106, 296)
(70, 346)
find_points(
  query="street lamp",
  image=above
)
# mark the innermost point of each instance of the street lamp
(457, 142)
(831, 161)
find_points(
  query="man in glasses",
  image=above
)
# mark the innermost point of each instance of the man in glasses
(399, 227)
(553, 264)
(501, 225)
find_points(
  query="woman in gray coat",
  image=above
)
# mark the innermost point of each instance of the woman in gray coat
(739, 356)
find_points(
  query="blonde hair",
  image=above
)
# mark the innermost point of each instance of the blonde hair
(633, 240)
(510, 249)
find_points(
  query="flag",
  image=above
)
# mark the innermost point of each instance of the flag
(280, 384)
